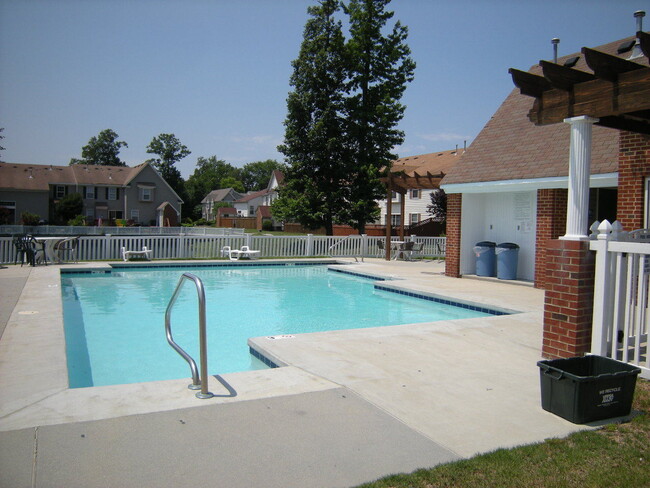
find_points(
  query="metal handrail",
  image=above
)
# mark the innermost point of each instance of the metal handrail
(198, 382)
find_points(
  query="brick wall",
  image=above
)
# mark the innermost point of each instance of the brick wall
(551, 223)
(633, 168)
(569, 299)
(452, 257)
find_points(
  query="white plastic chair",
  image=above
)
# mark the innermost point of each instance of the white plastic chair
(232, 254)
(246, 252)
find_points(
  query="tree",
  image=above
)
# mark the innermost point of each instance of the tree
(170, 151)
(102, 149)
(234, 183)
(255, 176)
(208, 176)
(380, 67)
(68, 208)
(438, 207)
(315, 192)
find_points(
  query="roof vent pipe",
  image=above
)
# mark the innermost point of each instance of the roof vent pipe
(636, 51)
(555, 41)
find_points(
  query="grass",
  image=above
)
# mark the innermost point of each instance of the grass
(617, 455)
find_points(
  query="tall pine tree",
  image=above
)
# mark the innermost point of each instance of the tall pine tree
(380, 67)
(315, 190)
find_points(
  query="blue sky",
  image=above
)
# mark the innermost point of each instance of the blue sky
(216, 72)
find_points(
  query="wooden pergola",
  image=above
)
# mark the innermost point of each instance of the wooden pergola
(401, 182)
(617, 92)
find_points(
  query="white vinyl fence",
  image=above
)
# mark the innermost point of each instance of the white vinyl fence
(108, 247)
(621, 313)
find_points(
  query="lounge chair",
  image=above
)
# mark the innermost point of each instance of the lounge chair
(144, 254)
(246, 252)
(232, 254)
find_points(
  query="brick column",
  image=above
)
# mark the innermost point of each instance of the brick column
(452, 253)
(569, 299)
(551, 223)
(633, 168)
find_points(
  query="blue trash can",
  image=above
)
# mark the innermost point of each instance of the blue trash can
(507, 257)
(485, 258)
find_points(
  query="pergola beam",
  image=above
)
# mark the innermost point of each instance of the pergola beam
(608, 67)
(599, 98)
(528, 83)
(644, 41)
(562, 77)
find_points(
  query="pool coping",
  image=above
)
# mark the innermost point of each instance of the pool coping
(35, 392)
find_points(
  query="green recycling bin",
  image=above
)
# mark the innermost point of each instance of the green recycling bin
(586, 389)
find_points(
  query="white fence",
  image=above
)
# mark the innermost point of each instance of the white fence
(621, 313)
(108, 247)
(67, 230)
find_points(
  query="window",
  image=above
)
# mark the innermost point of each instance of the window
(59, 191)
(89, 192)
(111, 193)
(114, 214)
(414, 218)
(90, 214)
(7, 213)
(135, 215)
(251, 210)
(415, 194)
(395, 220)
(393, 195)
(146, 194)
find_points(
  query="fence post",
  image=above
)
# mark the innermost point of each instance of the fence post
(602, 283)
(107, 238)
(309, 251)
(364, 244)
(248, 241)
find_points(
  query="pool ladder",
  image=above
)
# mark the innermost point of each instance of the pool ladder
(198, 383)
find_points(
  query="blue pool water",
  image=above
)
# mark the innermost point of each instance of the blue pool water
(115, 322)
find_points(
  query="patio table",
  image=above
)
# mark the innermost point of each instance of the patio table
(48, 247)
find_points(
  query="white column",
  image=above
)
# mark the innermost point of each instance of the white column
(579, 172)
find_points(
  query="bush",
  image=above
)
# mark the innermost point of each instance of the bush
(28, 218)
(79, 220)
(267, 225)
(204, 223)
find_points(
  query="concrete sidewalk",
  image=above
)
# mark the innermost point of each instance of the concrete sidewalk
(352, 406)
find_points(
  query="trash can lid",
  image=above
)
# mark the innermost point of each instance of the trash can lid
(486, 244)
(508, 245)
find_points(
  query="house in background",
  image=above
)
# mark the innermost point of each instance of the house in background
(416, 200)
(208, 209)
(246, 204)
(138, 194)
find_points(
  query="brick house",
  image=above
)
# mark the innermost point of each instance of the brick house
(511, 184)
(137, 194)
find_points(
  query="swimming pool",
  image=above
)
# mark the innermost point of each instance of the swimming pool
(114, 321)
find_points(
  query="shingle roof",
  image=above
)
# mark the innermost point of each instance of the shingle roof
(219, 195)
(38, 177)
(511, 147)
(250, 196)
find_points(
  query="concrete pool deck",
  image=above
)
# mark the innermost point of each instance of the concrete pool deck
(352, 406)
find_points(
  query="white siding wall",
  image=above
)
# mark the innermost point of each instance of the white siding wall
(499, 217)
(412, 205)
